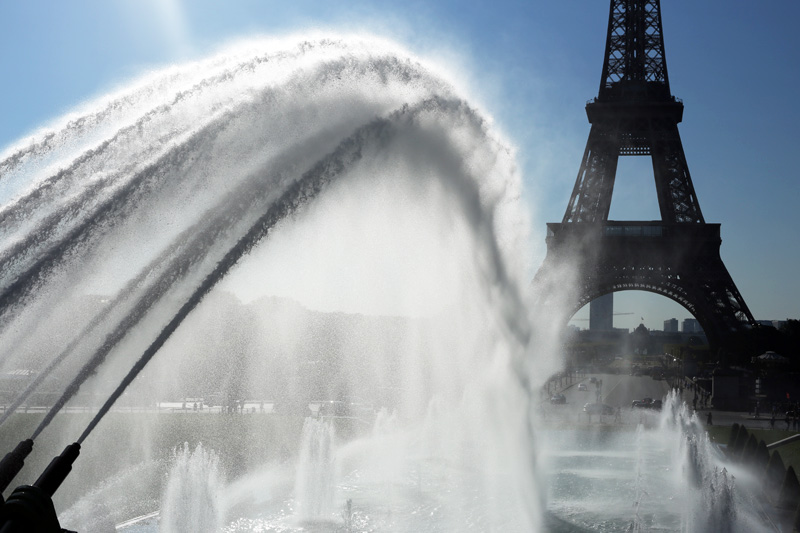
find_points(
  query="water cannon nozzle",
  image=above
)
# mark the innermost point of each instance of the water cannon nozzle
(13, 462)
(59, 468)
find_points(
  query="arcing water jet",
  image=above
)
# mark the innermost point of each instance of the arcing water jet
(180, 189)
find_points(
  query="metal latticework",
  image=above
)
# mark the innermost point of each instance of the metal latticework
(634, 56)
(635, 115)
(676, 196)
(641, 129)
(591, 196)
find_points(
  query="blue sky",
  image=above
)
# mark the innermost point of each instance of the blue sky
(531, 65)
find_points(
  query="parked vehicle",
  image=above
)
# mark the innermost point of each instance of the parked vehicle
(644, 402)
(582, 386)
(558, 399)
(656, 405)
(647, 403)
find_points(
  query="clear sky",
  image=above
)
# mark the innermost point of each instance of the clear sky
(532, 65)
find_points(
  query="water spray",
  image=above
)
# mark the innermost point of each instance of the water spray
(193, 284)
(80, 236)
(297, 195)
(347, 152)
(195, 241)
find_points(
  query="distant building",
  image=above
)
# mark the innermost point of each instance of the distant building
(671, 325)
(601, 313)
(691, 325)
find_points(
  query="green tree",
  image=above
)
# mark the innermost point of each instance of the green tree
(741, 441)
(733, 434)
(749, 450)
(790, 491)
(774, 475)
(760, 457)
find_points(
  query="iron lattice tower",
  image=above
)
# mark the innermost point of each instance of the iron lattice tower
(678, 257)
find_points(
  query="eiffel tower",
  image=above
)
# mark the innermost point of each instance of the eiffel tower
(677, 257)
